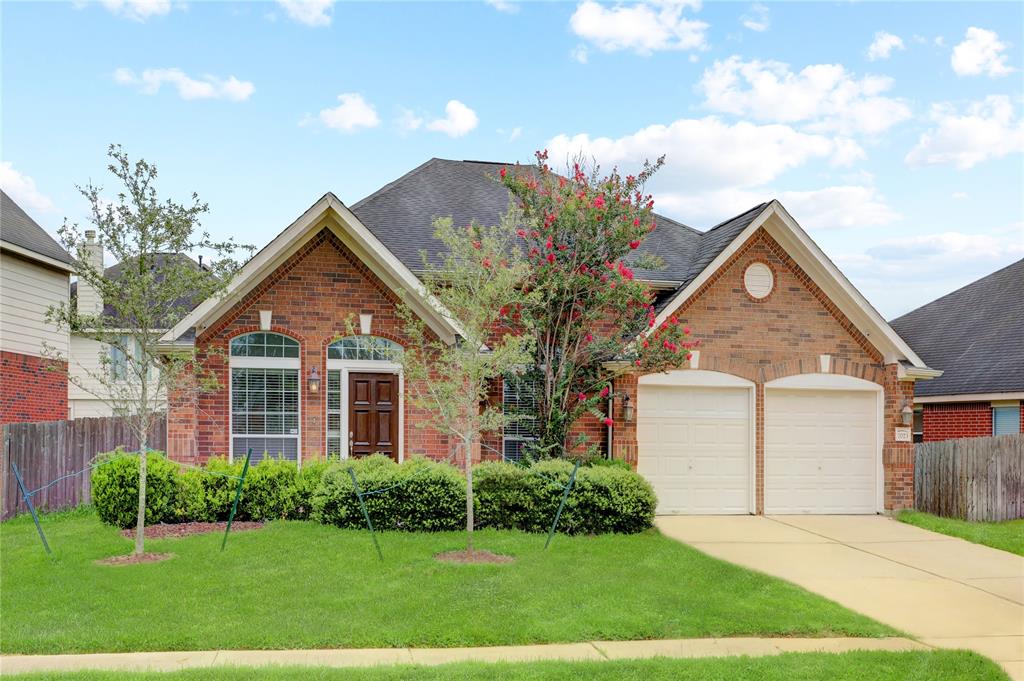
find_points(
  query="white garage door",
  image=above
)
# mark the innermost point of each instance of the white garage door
(694, 447)
(821, 451)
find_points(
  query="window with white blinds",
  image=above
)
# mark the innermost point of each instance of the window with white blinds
(519, 399)
(265, 396)
(1006, 420)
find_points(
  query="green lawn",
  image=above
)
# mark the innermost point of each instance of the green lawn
(304, 585)
(1007, 535)
(917, 666)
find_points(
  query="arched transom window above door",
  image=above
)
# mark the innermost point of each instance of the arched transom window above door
(364, 347)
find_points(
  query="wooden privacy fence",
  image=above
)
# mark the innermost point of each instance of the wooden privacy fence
(47, 450)
(979, 478)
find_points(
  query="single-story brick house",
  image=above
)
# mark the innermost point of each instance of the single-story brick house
(797, 401)
(976, 336)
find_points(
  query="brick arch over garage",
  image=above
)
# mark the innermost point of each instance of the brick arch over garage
(758, 372)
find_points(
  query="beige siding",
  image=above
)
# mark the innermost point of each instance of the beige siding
(27, 290)
(83, 366)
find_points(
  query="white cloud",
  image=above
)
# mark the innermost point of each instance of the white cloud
(825, 97)
(981, 52)
(883, 45)
(353, 113)
(757, 18)
(23, 190)
(459, 120)
(988, 129)
(960, 196)
(504, 6)
(579, 53)
(409, 121)
(309, 12)
(644, 27)
(207, 87)
(707, 153)
(940, 41)
(836, 207)
(136, 10)
(516, 133)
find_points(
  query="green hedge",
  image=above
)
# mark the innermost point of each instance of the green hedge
(421, 495)
(424, 495)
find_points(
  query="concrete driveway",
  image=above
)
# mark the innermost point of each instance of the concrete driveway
(945, 591)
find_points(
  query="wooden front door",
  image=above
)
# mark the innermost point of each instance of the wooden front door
(373, 414)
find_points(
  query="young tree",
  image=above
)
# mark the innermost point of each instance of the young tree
(157, 285)
(477, 285)
(590, 318)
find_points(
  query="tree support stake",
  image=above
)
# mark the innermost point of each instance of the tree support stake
(366, 514)
(31, 507)
(238, 493)
(565, 495)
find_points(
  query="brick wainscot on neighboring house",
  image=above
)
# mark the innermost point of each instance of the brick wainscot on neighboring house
(797, 402)
(976, 336)
(34, 275)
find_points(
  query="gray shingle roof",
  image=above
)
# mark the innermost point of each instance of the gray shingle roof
(401, 214)
(17, 228)
(975, 335)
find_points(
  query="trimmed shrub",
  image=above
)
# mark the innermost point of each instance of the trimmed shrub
(269, 491)
(604, 498)
(306, 483)
(220, 479)
(115, 489)
(424, 495)
(190, 504)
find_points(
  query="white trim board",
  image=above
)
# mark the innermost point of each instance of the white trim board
(979, 397)
(785, 230)
(330, 212)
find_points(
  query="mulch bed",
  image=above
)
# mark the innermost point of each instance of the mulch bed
(473, 557)
(135, 559)
(177, 530)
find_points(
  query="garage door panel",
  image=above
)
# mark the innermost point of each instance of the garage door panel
(694, 447)
(820, 451)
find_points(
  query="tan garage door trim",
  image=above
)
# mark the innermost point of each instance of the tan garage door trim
(840, 383)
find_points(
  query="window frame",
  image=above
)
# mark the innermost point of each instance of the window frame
(505, 437)
(246, 362)
(1013, 408)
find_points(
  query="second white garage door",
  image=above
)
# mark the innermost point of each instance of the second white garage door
(694, 447)
(821, 451)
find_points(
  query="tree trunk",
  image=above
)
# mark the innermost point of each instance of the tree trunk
(140, 523)
(468, 444)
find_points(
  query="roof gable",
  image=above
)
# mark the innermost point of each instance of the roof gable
(19, 230)
(727, 238)
(974, 334)
(329, 212)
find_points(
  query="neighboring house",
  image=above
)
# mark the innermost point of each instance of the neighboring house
(34, 275)
(86, 393)
(976, 336)
(797, 401)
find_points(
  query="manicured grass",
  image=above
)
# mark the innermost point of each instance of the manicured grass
(1007, 535)
(304, 585)
(916, 666)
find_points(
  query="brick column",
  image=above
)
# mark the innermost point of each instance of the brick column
(897, 457)
(183, 423)
(624, 434)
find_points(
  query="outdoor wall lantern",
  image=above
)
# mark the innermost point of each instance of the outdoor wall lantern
(314, 380)
(907, 413)
(627, 409)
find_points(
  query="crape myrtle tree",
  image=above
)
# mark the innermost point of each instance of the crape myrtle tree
(158, 284)
(591, 319)
(477, 284)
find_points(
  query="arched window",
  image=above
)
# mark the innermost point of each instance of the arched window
(261, 344)
(364, 347)
(265, 396)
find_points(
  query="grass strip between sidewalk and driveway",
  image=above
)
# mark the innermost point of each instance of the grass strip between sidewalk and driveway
(295, 585)
(1007, 535)
(853, 666)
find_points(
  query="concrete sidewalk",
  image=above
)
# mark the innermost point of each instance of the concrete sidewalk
(947, 592)
(367, 657)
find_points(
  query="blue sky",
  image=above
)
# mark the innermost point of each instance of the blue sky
(891, 131)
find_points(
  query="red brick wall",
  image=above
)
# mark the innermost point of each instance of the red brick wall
(311, 296)
(956, 420)
(782, 335)
(30, 392)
